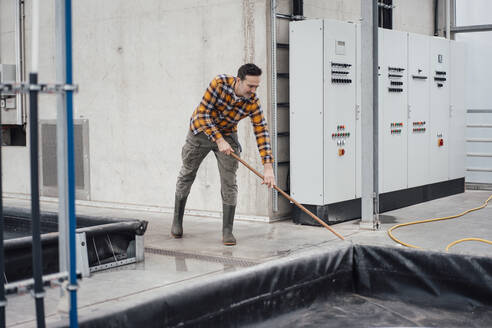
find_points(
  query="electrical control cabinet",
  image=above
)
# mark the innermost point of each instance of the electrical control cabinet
(418, 109)
(322, 111)
(457, 111)
(393, 90)
(421, 112)
(439, 110)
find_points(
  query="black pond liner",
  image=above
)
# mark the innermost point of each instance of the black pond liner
(18, 243)
(345, 286)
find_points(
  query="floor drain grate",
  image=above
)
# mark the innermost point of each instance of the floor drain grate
(209, 258)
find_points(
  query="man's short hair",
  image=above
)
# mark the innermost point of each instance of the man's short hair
(248, 69)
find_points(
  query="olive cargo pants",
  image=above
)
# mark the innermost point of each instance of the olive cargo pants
(195, 149)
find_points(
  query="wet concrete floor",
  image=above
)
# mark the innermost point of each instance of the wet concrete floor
(172, 263)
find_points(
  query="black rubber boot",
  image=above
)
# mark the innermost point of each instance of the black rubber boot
(179, 208)
(227, 222)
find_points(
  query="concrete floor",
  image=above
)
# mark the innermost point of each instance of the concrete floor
(171, 263)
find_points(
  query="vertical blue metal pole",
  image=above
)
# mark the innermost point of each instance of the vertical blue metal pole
(71, 167)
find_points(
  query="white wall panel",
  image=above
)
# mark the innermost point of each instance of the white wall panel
(393, 110)
(457, 111)
(418, 109)
(380, 114)
(306, 111)
(358, 121)
(339, 111)
(439, 110)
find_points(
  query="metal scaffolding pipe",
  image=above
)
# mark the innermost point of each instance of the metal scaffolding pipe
(436, 21)
(297, 9)
(19, 57)
(3, 300)
(472, 28)
(61, 139)
(37, 264)
(448, 19)
(273, 83)
(375, 111)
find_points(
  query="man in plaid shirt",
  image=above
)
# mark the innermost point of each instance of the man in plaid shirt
(213, 127)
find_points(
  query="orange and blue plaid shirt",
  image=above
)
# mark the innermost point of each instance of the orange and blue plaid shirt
(220, 111)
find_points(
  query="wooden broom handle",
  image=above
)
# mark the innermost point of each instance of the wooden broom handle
(305, 210)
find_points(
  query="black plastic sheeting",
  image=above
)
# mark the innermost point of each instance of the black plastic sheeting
(348, 286)
(83, 221)
(450, 280)
(17, 227)
(18, 251)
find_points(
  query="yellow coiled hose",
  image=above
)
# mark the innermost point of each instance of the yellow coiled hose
(390, 230)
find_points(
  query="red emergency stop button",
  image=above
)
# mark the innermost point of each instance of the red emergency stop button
(341, 152)
(440, 142)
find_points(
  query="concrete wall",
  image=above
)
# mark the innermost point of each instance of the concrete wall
(142, 67)
(15, 160)
(416, 16)
(154, 62)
